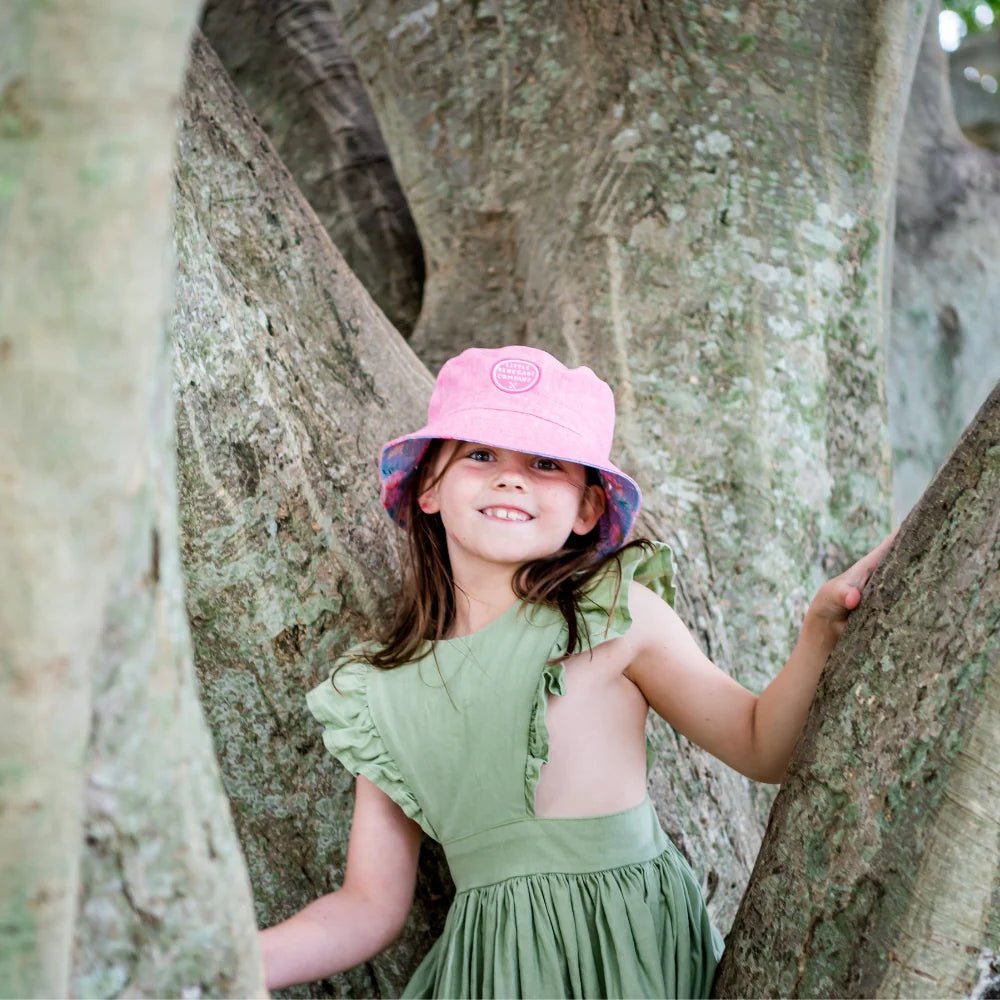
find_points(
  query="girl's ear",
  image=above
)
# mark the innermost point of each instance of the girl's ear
(592, 505)
(428, 501)
(433, 467)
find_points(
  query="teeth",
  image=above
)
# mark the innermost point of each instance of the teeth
(504, 514)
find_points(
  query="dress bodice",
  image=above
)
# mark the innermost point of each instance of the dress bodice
(458, 737)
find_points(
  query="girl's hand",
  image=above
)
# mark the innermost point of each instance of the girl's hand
(837, 598)
(753, 734)
(349, 926)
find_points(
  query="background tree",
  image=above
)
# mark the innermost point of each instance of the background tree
(944, 352)
(974, 70)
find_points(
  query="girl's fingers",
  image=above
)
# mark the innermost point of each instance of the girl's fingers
(851, 597)
(876, 555)
(859, 574)
(844, 598)
(838, 597)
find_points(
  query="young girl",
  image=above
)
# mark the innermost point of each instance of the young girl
(503, 712)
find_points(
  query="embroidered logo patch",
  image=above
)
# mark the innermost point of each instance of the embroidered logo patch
(515, 375)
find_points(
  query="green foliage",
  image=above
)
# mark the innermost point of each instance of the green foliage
(966, 10)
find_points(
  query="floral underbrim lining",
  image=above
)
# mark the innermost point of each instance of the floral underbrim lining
(399, 462)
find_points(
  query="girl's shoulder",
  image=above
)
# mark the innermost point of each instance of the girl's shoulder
(647, 562)
(606, 605)
(342, 696)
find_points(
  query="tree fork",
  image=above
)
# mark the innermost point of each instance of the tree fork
(290, 64)
(879, 871)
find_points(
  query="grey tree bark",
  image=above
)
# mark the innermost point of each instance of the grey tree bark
(88, 526)
(287, 59)
(886, 831)
(758, 153)
(694, 201)
(164, 906)
(289, 377)
(944, 350)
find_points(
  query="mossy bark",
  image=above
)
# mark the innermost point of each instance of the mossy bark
(879, 873)
(289, 378)
(289, 63)
(165, 907)
(692, 198)
(944, 348)
(87, 101)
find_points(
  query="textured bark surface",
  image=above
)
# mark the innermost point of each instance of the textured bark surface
(693, 199)
(944, 350)
(886, 834)
(287, 59)
(289, 379)
(165, 906)
(87, 100)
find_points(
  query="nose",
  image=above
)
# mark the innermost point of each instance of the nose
(509, 476)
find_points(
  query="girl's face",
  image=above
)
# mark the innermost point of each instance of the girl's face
(507, 507)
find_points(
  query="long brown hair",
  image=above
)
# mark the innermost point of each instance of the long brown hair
(425, 611)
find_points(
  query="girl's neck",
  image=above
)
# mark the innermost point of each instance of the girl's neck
(480, 601)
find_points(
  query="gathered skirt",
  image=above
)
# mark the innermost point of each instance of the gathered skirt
(635, 929)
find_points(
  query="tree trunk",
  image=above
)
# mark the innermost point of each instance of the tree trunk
(287, 59)
(944, 351)
(879, 875)
(86, 525)
(693, 201)
(289, 379)
(165, 906)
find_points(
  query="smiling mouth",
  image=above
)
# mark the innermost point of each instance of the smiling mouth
(505, 514)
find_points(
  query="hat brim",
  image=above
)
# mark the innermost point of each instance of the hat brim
(401, 457)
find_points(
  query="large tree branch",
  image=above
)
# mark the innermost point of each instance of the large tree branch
(879, 872)
(289, 62)
(289, 378)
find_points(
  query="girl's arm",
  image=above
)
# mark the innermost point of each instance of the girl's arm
(346, 927)
(754, 734)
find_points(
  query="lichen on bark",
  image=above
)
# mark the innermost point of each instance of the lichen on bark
(692, 199)
(289, 378)
(885, 833)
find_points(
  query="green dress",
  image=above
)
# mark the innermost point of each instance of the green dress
(595, 907)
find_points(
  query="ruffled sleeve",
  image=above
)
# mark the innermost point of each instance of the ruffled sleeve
(552, 681)
(605, 607)
(341, 704)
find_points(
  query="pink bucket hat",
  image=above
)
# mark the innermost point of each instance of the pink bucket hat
(521, 399)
